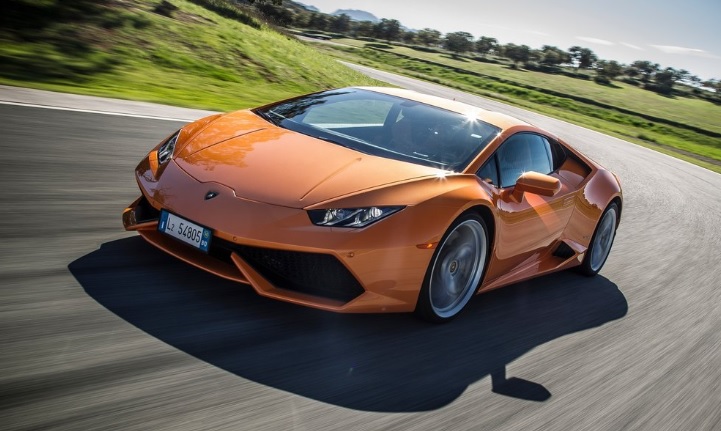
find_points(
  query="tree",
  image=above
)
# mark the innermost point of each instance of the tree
(339, 23)
(275, 12)
(388, 29)
(646, 69)
(486, 45)
(683, 75)
(318, 21)
(607, 71)
(458, 42)
(364, 29)
(584, 58)
(409, 37)
(554, 56)
(715, 86)
(516, 53)
(429, 37)
(534, 56)
(632, 72)
(664, 80)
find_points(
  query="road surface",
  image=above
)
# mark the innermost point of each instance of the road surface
(99, 330)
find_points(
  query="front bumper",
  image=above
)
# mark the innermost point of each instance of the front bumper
(280, 253)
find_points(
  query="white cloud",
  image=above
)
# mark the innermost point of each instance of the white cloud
(632, 46)
(668, 49)
(595, 40)
(537, 33)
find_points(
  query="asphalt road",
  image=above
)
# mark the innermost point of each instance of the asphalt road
(100, 331)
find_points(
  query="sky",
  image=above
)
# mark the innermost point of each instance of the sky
(678, 34)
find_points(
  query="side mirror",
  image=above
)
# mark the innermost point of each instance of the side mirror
(539, 184)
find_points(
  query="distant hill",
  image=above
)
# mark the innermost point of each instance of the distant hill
(357, 15)
(307, 7)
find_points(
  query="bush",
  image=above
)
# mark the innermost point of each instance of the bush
(165, 8)
(424, 48)
(631, 81)
(602, 80)
(485, 60)
(228, 10)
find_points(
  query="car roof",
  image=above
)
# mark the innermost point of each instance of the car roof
(496, 118)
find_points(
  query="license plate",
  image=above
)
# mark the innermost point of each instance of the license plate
(184, 230)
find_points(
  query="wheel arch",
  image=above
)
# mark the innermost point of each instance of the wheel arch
(487, 215)
(619, 204)
(424, 307)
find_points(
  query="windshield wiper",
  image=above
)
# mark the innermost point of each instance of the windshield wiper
(273, 119)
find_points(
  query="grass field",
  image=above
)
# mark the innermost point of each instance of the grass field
(542, 92)
(697, 112)
(195, 58)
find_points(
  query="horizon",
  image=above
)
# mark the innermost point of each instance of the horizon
(657, 32)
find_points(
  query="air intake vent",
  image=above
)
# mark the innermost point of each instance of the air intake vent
(311, 273)
(564, 251)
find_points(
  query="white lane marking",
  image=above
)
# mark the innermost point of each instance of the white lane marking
(92, 111)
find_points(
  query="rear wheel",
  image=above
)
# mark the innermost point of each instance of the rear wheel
(601, 242)
(455, 270)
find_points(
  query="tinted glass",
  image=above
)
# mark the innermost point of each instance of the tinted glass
(559, 154)
(489, 171)
(521, 153)
(349, 113)
(387, 126)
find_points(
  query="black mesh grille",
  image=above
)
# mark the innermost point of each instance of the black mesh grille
(312, 273)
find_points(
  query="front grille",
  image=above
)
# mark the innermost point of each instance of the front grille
(311, 273)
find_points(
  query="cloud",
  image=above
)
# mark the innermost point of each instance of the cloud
(668, 49)
(595, 40)
(632, 46)
(537, 33)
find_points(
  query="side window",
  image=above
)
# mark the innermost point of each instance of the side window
(558, 153)
(521, 153)
(489, 171)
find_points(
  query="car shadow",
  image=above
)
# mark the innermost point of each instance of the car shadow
(373, 362)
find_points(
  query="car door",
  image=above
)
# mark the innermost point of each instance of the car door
(526, 227)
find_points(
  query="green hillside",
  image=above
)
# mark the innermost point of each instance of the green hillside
(211, 54)
(684, 127)
(178, 53)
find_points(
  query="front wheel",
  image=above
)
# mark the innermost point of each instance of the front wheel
(601, 242)
(455, 270)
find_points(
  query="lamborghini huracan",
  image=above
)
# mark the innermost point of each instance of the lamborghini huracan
(375, 199)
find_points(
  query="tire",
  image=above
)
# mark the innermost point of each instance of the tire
(455, 271)
(601, 242)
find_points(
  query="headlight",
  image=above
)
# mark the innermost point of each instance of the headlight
(350, 217)
(165, 152)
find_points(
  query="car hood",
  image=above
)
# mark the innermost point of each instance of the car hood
(265, 163)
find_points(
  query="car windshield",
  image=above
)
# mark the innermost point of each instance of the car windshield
(386, 126)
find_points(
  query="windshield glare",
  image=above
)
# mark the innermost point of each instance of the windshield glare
(386, 126)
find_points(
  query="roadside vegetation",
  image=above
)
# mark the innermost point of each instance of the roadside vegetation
(231, 54)
(666, 109)
(696, 138)
(200, 53)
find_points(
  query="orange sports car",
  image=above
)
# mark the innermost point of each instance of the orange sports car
(375, 200)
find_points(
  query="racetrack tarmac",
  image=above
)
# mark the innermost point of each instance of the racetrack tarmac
(99, 330)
